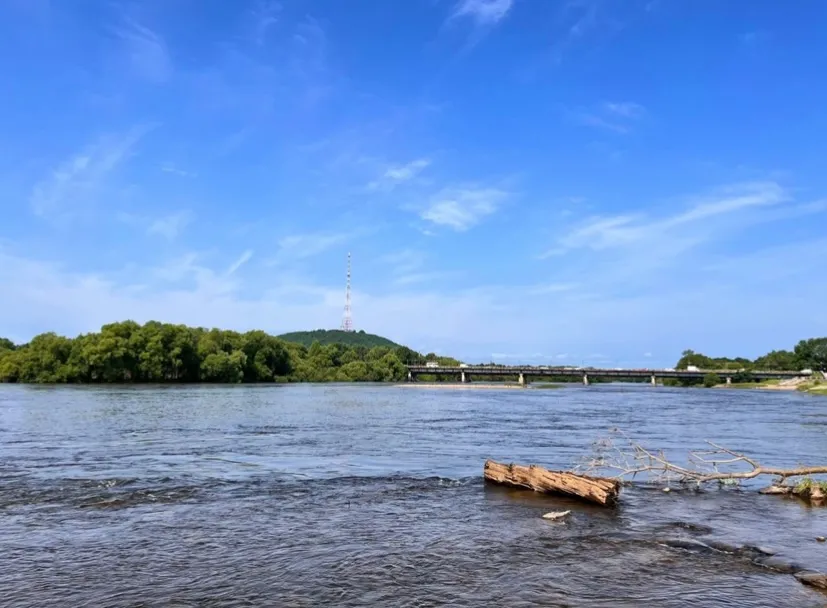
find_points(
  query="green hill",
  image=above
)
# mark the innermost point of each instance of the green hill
(337, 336)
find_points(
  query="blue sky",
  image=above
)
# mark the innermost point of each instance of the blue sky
(574, 181)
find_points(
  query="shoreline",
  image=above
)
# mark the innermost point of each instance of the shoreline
(473, 386)
(799, 385)
(458, 386)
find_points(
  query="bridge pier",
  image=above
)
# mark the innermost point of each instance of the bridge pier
(586, 379)
(410, 376)
(462, 377)
(654, 380)
(521, 379)
(729, 380)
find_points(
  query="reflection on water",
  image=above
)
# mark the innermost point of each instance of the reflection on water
(372, 496)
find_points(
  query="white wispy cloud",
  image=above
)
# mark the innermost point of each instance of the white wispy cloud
(242, 259)
(408, 267)
(302, 246)
(599, 122)
(170, 226)
(618, 117)
(81, 176)
(469, 323)
(655, 254)
(483, 12)
(605, 232)
(264, 16)
(398, 174)
(626, 109)
(464, 207)
(753, 37)
(146, 51)
(174, 170)
(188, 273)
(175, 269)
(404, 261)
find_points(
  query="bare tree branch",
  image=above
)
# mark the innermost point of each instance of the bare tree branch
(625, 459)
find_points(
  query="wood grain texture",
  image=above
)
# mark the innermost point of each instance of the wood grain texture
(598, 490)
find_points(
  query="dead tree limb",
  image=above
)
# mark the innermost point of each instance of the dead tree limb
(621, 458)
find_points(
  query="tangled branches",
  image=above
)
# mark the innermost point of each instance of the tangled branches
(618, 457)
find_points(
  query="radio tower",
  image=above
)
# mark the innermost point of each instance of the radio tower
(347, 319)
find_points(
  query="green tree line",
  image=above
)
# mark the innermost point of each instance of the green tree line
(160, 352)
(807, 354)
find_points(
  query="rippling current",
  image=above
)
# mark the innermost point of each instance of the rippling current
(373, 496)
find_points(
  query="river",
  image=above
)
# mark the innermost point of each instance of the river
(348, 495)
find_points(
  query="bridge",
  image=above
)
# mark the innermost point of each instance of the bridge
(525, 372)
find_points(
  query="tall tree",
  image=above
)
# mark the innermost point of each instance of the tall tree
(812, 353)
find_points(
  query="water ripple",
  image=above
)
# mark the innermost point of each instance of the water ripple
(309, 496)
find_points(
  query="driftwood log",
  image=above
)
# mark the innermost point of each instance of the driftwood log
(592, 489)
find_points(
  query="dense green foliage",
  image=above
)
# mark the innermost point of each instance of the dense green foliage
(711, 379)
(807, 354)
(336, 336)
(159, 352)
(812, 353)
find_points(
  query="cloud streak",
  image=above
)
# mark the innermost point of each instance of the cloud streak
(625, 109)
(264, 16)
(483, 12)
(399, 174)
(618, 117)
(462, 208)
(302, 246)
(146, 52)
(81, 176)
(242, 259)
(173, 170)
(170, 226)
(607, 232)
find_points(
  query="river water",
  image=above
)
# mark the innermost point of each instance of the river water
(346, 495)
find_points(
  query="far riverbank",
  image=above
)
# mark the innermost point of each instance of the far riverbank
(805, 385)
(476, 386)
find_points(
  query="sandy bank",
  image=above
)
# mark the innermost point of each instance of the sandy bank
(793, 384)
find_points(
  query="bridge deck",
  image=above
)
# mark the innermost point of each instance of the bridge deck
(509, 370)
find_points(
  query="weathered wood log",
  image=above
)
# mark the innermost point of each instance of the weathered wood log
(811, 492)
(592, 489)
(777, 490)
(813, 579)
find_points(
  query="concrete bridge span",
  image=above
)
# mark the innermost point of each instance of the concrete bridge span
(524, 373)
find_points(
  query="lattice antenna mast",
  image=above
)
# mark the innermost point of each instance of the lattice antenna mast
(347, 319)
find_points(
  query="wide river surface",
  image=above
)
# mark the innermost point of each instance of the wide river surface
(347, 495)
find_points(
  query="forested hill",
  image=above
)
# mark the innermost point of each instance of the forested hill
(128, 352)
(336, 336)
